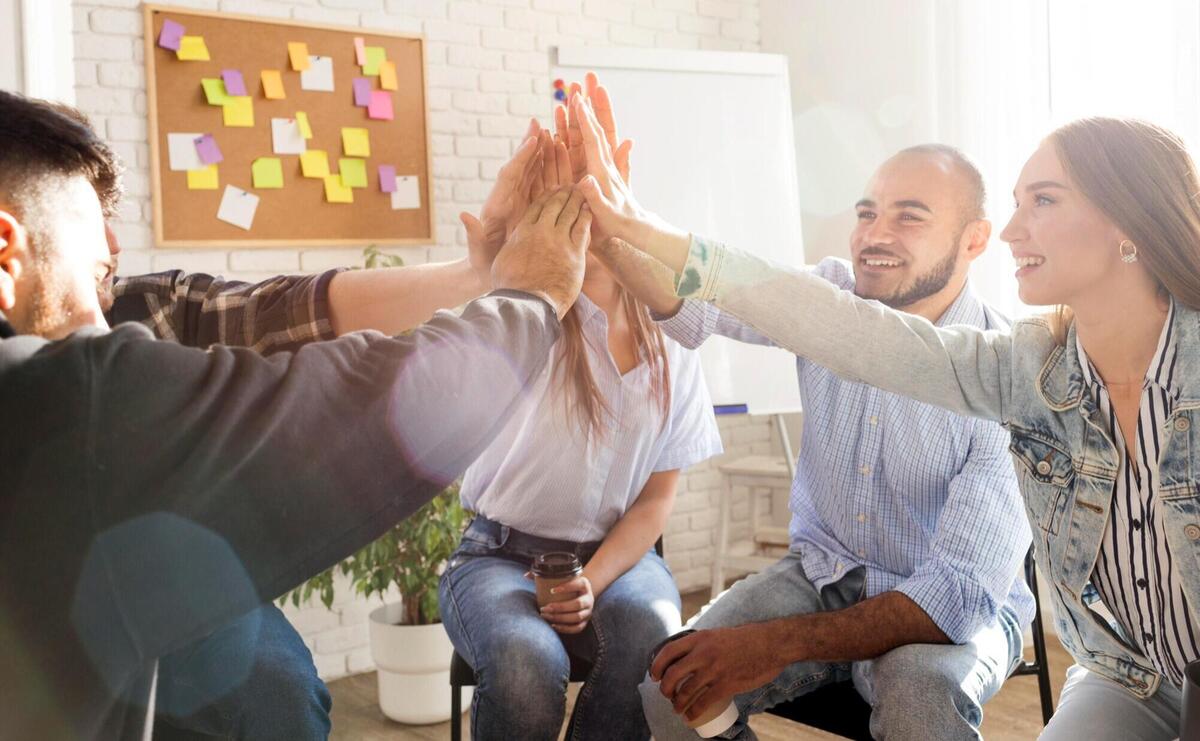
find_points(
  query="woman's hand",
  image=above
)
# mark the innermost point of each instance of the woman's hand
(571, 616)
(567, 129)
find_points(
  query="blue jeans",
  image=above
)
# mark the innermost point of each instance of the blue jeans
(252, 679)
(521, 664)
(918, 691)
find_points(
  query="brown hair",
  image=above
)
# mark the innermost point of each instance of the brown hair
(1142, 178)
(578, 385)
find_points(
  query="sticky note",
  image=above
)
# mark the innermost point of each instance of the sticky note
(336, 192)
(314, 164)
(360, 51)
(192, 49)
(353, 171)
(206, 147)
(407, 194)
(319, 75)
(234, 82)
(237, 207)
(381, 105)
(362, 92)
(302, 122)
(267, 172)
(181, 152)
(387, 178)
(387, 76)
(205, 179)
(376, 56)
(286, 137)
(170, 35)
(239, 111)
(298, 53)
(214, 90)
(272, 84)
(356, 142)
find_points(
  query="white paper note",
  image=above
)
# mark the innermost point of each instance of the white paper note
(287, 136)
(407, 193)
(319, 75)
(237, 207)
(182, 152)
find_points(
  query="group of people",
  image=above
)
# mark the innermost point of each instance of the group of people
(179, 450)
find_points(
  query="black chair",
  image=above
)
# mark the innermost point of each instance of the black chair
(463, 675)
(839, 709)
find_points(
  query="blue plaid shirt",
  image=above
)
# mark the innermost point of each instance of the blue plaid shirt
(925, 499)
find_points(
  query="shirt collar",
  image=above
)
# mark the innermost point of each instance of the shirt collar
(1161, 370)
(966, 309)
(586, 309)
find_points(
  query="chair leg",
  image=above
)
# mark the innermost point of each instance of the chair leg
(455, 713)
(1039, 644)
(718, 566)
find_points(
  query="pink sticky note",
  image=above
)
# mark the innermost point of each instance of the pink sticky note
(170, 35)
(234, 84)
(387, 178)
(362, 92)
(207, 150)
(360, 51)
(381, 105)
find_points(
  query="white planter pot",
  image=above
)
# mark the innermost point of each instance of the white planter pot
(413, 663)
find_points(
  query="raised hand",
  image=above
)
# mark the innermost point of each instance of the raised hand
(545, 254)
(567, 128)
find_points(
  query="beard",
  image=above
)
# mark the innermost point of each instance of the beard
(926, 284)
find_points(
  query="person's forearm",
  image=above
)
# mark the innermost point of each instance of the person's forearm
(864, 631)
(628, 541)
(394, 300)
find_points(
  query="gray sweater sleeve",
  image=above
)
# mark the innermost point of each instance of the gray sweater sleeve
(220, 478)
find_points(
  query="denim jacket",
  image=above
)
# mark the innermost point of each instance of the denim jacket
(1066, 461)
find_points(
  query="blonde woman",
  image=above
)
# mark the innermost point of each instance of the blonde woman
(1099, 399)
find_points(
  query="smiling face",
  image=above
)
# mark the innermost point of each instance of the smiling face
(1063, 245)
(911, 235)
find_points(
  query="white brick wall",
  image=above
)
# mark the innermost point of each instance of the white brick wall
(488, 67)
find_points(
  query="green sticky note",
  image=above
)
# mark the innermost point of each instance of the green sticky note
(214, 91)
(356, 142)
(268, 172)
(353, 172)
(376, 56)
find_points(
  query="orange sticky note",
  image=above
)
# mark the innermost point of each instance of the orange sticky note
(387, 76)
(336, 192)
(298, 52)
(272, 83)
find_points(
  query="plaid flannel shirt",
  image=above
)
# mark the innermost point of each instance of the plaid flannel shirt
(278, 315)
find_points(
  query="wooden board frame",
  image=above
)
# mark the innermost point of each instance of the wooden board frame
(156, 150)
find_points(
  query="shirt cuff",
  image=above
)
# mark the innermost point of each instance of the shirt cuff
(701, 270)
(691, 325)
(959, 607)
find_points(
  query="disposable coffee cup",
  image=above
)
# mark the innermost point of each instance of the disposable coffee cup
(550, 570)
(720, 715)
(1189, 719)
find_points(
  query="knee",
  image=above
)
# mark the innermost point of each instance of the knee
(634, 628)
(522, 668)
(660, 714)
(910, 685)
(285, 678)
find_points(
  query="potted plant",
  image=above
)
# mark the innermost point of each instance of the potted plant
(408, 643)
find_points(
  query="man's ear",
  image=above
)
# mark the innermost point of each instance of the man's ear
(12, 252)
(976, 236)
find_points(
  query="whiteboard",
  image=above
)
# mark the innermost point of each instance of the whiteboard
(714, 153)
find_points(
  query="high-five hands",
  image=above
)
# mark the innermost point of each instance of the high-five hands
(545, 253)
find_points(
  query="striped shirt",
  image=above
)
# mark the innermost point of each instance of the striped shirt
(543, 476)
(1135, 574)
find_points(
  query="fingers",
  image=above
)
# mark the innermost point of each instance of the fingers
(533, 128)
(555, 201)
(549, 166)
(581, 233)
(602, 105)
(596, 198)
(561, 612)
(621, 159)
(696, 685)
(667, 656)
(560, 122)
(474, 229)
(566, 220)
(575, 138)
(534, 212)
(700, 704)
(594, 145)
(563, 160)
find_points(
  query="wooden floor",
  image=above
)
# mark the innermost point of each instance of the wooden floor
(1012, 715)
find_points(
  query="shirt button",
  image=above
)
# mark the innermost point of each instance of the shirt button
(1141, 583)
(1043, 467)
(1182, 424)
(865, 470)
(861, 553)
(1149, 637)
(1192, 531)
(862, 517)
(874, 421)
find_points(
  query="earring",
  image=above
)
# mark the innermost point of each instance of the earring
(1128, 251)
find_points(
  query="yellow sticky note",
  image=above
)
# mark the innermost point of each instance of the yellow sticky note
(336, 192)
(205, 179)
(302, 122)
(239, 111)
(267, 172)
(192, 49)
(298, 52)
(314, 164)
(353, 172)
(272, 84)
(356, 142)
(376, 56)
(214, 91)
(387, 76)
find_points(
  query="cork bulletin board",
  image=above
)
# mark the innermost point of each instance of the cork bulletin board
(239, 113)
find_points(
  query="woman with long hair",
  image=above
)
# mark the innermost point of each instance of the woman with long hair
(588, 465)
(1100, 398)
